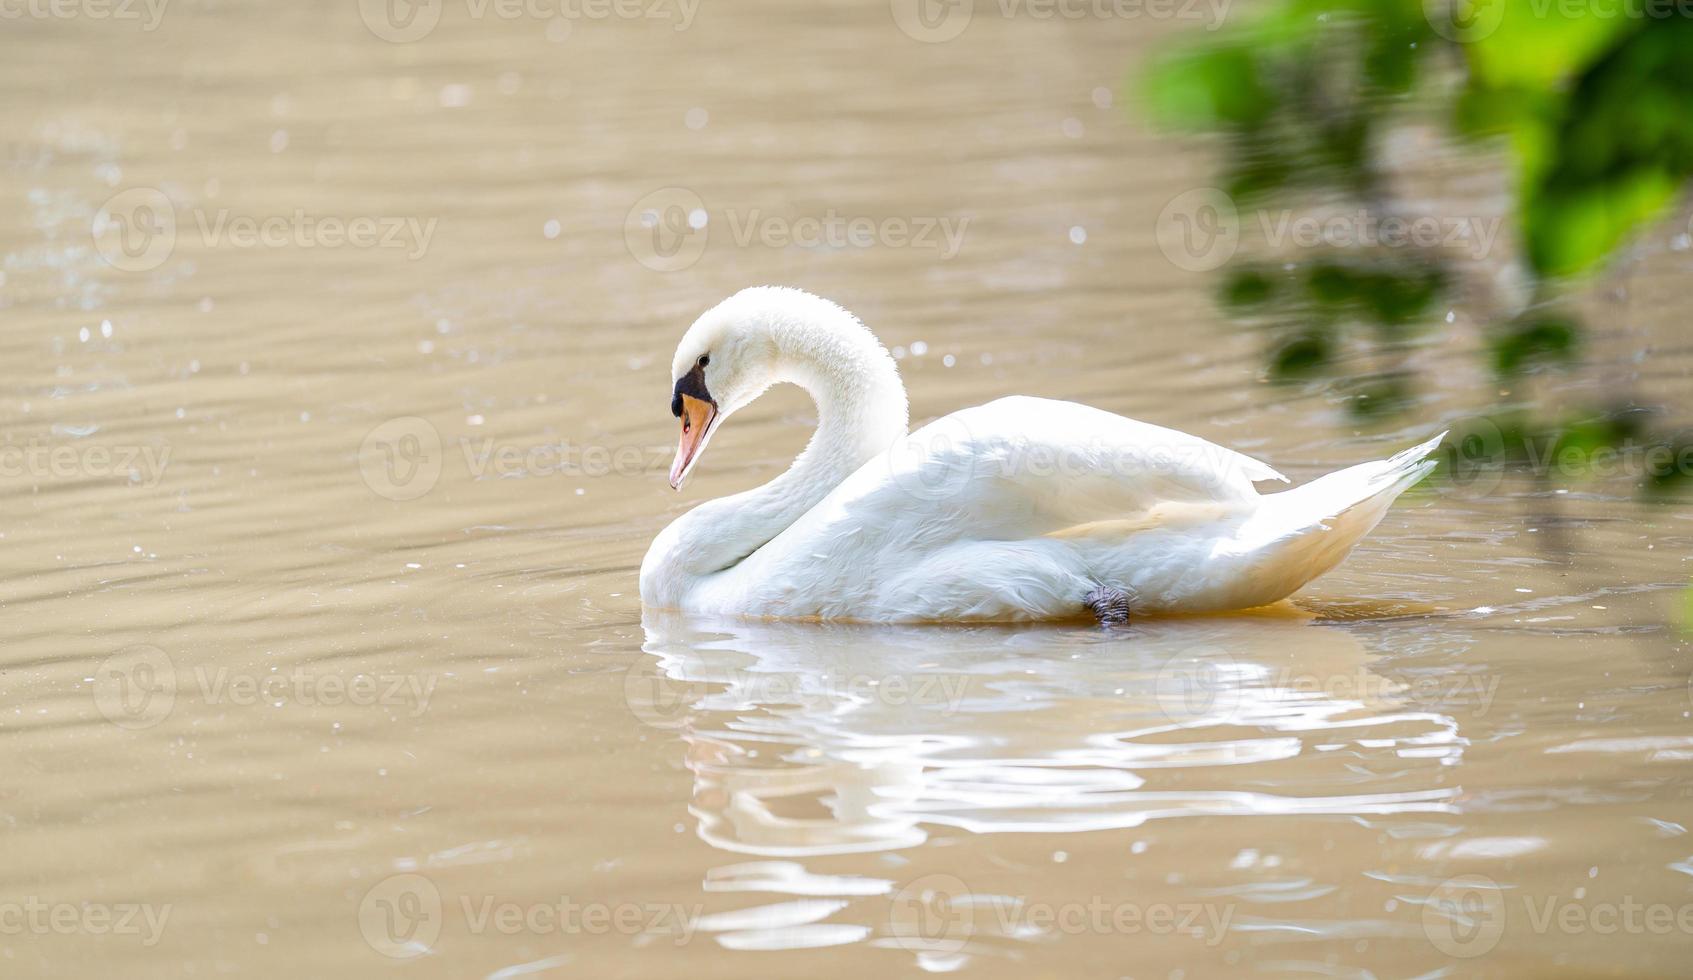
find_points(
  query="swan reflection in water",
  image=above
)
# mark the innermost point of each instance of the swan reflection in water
(808, 740)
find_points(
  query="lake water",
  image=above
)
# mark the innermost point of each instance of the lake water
(335, 371)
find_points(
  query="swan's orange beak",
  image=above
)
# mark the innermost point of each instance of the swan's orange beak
(697, 419)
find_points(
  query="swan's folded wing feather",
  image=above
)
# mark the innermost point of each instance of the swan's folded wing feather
(1035, 466)
(1014, 470)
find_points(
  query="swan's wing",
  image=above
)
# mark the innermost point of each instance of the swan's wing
(1069, 462)
(1034, 466)
(1016, 471)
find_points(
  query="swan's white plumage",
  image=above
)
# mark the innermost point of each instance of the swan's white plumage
(1013, 510)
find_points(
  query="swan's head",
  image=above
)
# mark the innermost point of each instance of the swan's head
(725, 360)
(770, 334)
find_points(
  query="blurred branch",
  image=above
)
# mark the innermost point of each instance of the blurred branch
(1595, 109)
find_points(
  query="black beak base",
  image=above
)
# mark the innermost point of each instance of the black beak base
(693, 385)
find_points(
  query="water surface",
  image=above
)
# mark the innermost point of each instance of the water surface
(324, 648)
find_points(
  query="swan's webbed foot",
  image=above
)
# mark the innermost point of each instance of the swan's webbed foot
(1109, 604)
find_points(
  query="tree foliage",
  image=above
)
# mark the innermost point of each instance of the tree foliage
(1591, 100)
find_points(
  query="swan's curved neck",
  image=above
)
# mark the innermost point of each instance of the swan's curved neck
(861, 411)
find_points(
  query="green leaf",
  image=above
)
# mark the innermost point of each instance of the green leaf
(1248, 287)
(1534, 342)
(1536, 44)
(1381, 395)
(1208, 88)
(1301, 357)
(1569, 230)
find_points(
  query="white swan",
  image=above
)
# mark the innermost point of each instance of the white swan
(1020, 509)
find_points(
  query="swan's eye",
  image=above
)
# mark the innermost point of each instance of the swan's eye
(705, 359)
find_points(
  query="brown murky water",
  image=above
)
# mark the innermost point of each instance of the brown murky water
(321, 515)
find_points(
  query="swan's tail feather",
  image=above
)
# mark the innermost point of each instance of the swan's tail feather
(1375, 483)
(1298, 534)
